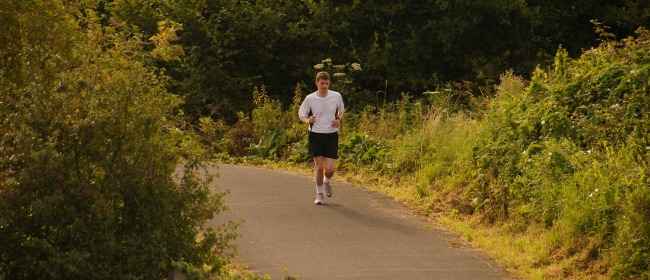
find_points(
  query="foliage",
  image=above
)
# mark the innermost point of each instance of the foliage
(453, 98)
(296, 130)
(361, 150)
(299, 152)
(89, 144)
(399, 117)
(167, 33)
(271, 144)
(404, 46)
(271, 128)
(238, 138)
(267, 115)
(570, 151)
(449, 144)
(211, 132)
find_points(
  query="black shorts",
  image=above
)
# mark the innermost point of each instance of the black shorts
(324, 144)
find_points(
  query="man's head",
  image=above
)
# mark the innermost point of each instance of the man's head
(322, 76)
(323, 81)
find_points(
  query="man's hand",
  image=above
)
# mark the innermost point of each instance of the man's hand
(336, 123)
(308, 120)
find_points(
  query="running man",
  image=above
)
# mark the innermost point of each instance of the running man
(323, 111)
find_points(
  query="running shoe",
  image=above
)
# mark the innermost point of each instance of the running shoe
(319, 199)
(328, 189)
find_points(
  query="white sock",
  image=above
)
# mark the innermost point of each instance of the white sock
(326, 180)
(320, 189)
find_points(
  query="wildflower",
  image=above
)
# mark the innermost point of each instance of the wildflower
(356, 66)
(647, 147)
(616, 107)
(542, 122)
(589, 151)
(318, 66)
(339, 74)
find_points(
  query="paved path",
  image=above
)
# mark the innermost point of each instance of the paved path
(357, 234)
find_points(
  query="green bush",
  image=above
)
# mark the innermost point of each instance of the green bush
(89, 144)
(271, 144)
(238, 139)
(267, 115)
(570, 151)
(608, 199)
(538, 193)
(361, 150)
(299, 152)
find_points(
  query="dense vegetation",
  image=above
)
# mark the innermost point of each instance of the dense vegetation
(469, 109)
(89, 143)
(231, 46)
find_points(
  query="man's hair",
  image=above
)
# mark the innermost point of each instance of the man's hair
(322, 76)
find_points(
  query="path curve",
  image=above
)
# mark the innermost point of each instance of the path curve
(357, 234)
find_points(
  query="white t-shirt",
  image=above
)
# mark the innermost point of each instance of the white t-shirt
(324, 109)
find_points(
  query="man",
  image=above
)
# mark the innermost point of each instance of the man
(323, 111)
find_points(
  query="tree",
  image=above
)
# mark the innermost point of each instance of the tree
(404, 46)
(89, 145)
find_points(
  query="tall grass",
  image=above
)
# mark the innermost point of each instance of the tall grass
(449, 143)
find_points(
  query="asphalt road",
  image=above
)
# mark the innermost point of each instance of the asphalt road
(357, 234)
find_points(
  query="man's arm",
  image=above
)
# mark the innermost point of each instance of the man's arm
(307, 119)
(304, 114)
(339, 118)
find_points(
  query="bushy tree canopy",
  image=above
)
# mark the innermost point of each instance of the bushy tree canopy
(89, 142)
(403, 46)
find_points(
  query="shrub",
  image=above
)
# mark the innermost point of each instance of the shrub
(89, 145)
(608, 199)
(238, 139)
(570, 151)
(361, 150)
(267, 115)
(271, 144)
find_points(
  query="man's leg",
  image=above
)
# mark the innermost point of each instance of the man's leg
(319, 169)
(318, 166)
(329, 165)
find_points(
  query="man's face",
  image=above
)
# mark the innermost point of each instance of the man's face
(323, 85)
